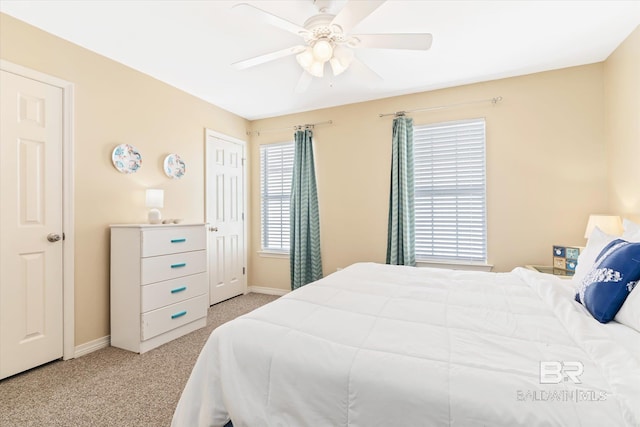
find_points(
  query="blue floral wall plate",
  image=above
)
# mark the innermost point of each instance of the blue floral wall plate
(126, 158)
(174, 167)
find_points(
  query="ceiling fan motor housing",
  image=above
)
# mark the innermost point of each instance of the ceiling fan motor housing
(319, 27)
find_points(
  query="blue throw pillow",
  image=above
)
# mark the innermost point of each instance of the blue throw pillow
(612, 277)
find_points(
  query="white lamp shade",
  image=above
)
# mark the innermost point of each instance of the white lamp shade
(155, 198)
(305, 59)
(316, 69)
(341, 60)
(336, 66)
(610, 224)
(313, 58)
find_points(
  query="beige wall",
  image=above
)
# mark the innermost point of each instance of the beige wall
(622, 125)
(114, 105)
(545, 171)
(545, 151)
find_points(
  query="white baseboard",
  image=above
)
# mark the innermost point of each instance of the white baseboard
(91, 346)
(268, 291)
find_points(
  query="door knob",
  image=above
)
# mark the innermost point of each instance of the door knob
(213, 228)
(53, 237)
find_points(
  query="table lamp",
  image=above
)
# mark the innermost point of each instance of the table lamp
(154, 200)
(610, 224)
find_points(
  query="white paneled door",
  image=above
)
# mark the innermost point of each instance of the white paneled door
(31, 264)
(225, 217)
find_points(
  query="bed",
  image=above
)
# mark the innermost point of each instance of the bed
(385, 345)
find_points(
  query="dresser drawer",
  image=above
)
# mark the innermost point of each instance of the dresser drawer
(171, 240)
(161, 294)
(160, 268)
(159, 321)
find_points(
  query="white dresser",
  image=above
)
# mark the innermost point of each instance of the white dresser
(159, 286)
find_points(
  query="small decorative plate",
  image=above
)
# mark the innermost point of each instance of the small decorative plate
(174, 167)
(126, 158)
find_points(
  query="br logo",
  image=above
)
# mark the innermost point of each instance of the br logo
(553, 372)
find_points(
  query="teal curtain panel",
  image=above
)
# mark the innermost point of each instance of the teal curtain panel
(401, 231)
(306, 263)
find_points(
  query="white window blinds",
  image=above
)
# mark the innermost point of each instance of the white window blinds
(450, 205)
(276, 170)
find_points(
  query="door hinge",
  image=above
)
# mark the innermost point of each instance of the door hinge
(243, 216)
(243, 271)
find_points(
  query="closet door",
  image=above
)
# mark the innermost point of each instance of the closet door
(31, 249)
(225, 216)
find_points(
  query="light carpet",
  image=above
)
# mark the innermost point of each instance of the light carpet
(114, 387)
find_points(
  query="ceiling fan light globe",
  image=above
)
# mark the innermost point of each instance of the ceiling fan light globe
(322, 50)
(305, 59)
(316, 69)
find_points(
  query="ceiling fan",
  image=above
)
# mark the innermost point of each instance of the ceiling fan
(328, 38)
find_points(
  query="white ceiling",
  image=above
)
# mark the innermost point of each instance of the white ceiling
(192, 44)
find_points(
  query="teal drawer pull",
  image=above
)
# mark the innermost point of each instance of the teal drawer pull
(180, 289)
(178, 240)
(180, 314)
(182, 264)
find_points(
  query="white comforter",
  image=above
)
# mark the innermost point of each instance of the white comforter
(379, 345)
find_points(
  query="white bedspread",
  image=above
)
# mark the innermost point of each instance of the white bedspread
(379, 345)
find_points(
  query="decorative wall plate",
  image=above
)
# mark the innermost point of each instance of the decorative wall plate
(174, 167)
(126, 158)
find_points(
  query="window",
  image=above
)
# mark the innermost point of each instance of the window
(276, 172)
(450, 204)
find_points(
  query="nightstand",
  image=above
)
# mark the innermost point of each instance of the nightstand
(548, 269)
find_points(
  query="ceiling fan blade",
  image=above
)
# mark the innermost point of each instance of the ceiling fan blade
(272, 19)
(304, 82)
(257, 60)
(392, 41)
(354, 12)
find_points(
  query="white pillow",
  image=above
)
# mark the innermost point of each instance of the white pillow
(629, 313)
(596, 243)
(631, 231)
(634, 238)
